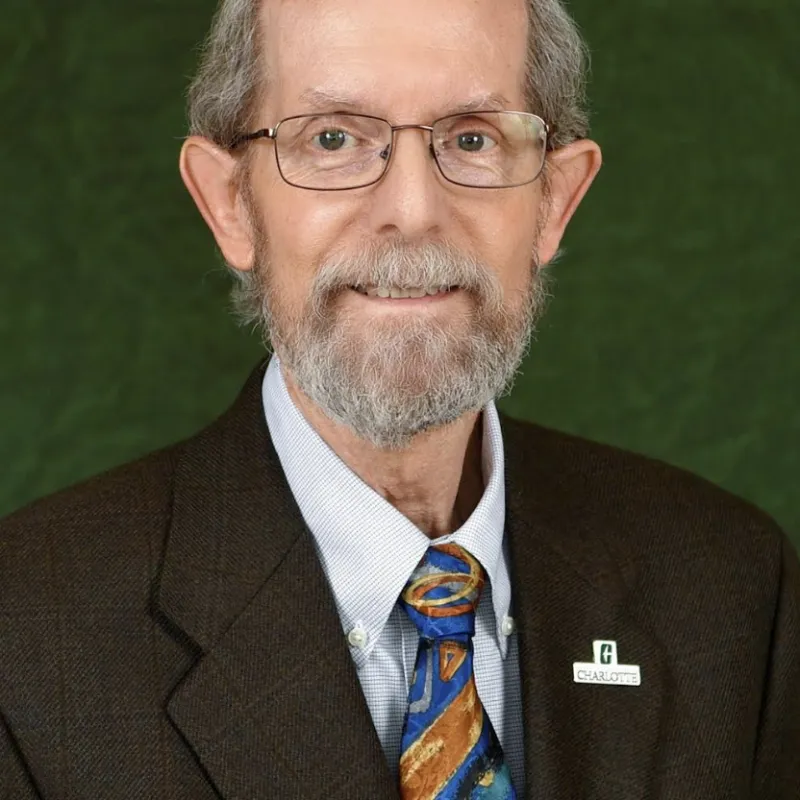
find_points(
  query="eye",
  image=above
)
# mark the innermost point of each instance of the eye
(474, 142)
(332, 139)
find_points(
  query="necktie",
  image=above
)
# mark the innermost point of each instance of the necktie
(449, 749)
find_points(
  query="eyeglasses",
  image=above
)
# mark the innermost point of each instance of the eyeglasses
(331, 152)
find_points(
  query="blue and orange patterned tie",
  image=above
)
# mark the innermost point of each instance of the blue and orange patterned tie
(450, 750)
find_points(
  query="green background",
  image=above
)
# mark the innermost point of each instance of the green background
(673, 331)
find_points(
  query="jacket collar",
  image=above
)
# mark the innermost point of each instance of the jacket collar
(273, 706)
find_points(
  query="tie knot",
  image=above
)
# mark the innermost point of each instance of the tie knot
(443, 592)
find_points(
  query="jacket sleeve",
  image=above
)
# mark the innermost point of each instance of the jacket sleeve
(776, 769)
(14, 781)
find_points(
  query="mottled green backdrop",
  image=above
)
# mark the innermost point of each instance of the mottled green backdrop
(674, 329)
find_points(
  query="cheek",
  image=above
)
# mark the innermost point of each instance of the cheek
(504, 234)
(302, 229)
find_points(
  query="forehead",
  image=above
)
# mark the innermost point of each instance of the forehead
(396, 59)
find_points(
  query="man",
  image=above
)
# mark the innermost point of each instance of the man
(363, 581)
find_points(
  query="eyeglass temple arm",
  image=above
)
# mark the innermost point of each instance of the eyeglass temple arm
(264, 133)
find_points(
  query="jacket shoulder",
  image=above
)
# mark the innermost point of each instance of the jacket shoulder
(122, 488)
(109, 527)
(647, 502)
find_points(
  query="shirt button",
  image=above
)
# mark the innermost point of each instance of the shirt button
(357, 636)
(508, 626)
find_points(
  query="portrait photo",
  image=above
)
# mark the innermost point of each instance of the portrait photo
(399, 400)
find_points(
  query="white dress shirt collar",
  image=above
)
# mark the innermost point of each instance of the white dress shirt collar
(368, 548)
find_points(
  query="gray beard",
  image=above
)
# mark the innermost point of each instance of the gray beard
(390, 377)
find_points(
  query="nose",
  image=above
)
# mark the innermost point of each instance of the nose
(409, 199)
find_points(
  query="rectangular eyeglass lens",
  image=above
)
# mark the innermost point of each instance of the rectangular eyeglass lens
(332, 150)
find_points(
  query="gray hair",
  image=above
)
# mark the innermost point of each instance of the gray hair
(222, 98)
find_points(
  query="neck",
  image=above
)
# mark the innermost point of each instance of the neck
(436, 483)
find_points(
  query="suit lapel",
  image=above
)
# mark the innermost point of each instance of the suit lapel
(581, 740)
(273, 706)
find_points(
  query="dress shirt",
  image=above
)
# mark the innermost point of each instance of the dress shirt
(368, 551)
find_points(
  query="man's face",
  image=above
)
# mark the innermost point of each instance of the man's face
(388, 369)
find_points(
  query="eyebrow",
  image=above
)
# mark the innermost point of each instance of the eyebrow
(326, 100)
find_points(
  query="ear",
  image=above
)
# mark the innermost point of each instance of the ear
(209, 174)
(572, 170)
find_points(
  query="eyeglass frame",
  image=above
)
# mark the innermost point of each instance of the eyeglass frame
(272, 133)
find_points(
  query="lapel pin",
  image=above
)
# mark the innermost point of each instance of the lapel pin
(605, 668)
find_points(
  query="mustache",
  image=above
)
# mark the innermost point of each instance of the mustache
(403, 264)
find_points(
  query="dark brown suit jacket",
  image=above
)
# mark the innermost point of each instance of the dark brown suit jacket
(166, 631)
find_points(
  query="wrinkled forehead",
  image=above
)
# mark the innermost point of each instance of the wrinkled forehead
(395, 59)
